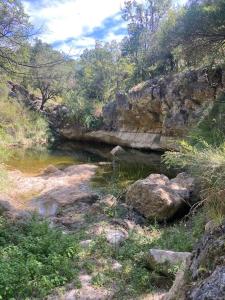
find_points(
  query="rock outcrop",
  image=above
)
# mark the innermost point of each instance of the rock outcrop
(155, 114)
(50, 191)
(204, 275)
(159, 198)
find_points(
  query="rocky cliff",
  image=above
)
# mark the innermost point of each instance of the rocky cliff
(156, 113)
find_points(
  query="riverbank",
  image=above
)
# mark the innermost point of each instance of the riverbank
(112, 239)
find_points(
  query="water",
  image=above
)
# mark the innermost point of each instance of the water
(112, 176)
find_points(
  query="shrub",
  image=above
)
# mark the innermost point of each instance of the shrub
(19, 126)
(84, 112)
(34, 259)
(203, 156)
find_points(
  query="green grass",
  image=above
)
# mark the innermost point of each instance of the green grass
(203, 156)
(34, 259)
(19, 127)
(135, 278)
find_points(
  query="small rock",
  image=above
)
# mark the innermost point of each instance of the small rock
(118, 150)
(5, 206)
(210, 226)
(162, 259)
(86, 243)
(50, 169)
(115, 237)
(104, 163)
(106, 202)
(116, 266)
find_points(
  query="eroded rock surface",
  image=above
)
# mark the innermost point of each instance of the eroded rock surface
(203, 278)
(157, 197)
(155, 114)
(52, 190)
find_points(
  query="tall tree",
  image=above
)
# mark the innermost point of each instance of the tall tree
(101, 71)
(143, 22)
(54, 77)
(200, 31)
(14, 33)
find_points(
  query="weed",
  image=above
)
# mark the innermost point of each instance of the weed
(35, 259)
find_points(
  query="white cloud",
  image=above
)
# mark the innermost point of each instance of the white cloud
(71, 18)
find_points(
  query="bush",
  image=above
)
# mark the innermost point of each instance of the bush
(203, 156)
(19, 126)
(84, 113)
(34, 259)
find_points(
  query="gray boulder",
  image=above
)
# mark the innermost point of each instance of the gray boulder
(162, 260)
(159, 198)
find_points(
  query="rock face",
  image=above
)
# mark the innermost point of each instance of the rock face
(165, 105)
(157, 197)
(204, 275)
(162, 259)
(156, 113)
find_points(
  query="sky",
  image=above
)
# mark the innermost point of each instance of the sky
(73, 25)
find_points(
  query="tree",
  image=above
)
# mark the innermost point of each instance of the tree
(54, 76)
(200, 31)
(143, 23)
(14, 33)
(101, 71)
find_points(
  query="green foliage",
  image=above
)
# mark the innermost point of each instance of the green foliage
(203, 155)
(82, 112)
(14, 34)
(19, 126)
(211, 129)
(101, 72)
(34, 259)
(143, 23)
(198, 33)
(134, 277)
(52, 72)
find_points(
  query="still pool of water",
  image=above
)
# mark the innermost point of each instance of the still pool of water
(111, 176)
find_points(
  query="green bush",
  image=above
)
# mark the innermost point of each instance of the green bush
(34, 259)
(203, 156)
(20, 126)
(85, 113)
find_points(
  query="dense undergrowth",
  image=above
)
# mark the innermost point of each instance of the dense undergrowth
(135, 278)
(203, 155)
(19, 127)
(35, 259)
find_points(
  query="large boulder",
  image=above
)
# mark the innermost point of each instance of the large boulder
(204, 274)
(156, 197)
